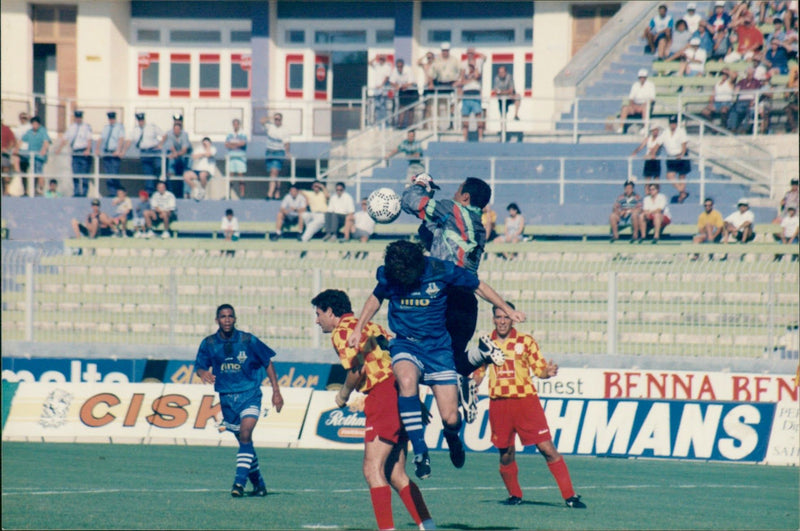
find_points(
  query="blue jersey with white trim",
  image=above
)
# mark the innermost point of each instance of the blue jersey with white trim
(419, 314)
(239, 363)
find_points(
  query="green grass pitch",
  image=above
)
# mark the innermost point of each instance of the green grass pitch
(97, 486)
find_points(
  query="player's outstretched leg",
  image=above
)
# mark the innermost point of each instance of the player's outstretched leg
(411, 416)
(243, 461)
(452, 435)
(488, 352)
(558, 468)
(468, 398)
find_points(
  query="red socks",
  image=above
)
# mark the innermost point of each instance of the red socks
(382, 505)
(412, 499)
(510, 473)
(561, 474)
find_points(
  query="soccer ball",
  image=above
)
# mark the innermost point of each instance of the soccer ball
(383, 205)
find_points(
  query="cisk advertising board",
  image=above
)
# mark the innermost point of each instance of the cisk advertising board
(142, 413)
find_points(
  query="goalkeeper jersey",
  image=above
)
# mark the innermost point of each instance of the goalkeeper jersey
(513, 378)
(376, 361)
(238, 363)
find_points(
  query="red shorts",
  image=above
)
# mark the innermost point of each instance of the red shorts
(665, 220)
(523, 416)
(383, 417)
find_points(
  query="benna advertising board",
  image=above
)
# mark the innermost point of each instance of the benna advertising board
(142, 413)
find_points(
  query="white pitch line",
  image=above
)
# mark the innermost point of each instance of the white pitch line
(29, 491)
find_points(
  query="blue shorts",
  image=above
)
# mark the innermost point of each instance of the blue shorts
(236, 406)
(275, 159)
(470, 107)
(434, 359)
(625, 222)
(236, 165)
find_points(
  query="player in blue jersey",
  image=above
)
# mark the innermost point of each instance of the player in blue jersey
(452, 230)
(417, 288)
(237, 362)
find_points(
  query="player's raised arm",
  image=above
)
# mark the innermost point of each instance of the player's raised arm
(487, 293)
(371, 307)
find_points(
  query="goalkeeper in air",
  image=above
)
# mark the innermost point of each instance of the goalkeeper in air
(369, 369)
(417, 288)
(452, 230)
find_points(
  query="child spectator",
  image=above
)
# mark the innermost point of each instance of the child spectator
(124, 212)
(52, 189)
(230, 226)
(138, 214)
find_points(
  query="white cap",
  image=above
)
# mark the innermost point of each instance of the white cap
(642, 73)
(743, 201)
(719, 4)
(694, 41)
(445, 45)
(691, 6)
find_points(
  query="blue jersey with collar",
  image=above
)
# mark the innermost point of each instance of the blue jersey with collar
(419, 314)
(239, 363)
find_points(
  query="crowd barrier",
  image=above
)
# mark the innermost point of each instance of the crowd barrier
(704, 416)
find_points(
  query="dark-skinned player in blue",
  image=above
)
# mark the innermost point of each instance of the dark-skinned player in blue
(238, 362)
(417, 288)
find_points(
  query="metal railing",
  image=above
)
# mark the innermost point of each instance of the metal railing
(637, 303)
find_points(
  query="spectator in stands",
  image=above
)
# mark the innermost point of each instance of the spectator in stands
(7, 143)
(412, 149)
(340, 205)
(751, 40)
(293, 206)
(444, 73)
(359, 224)
(719, 21)
(659, 32)
(97, 223)
(741, 223)
(652, 146)
(706, 41)
(740, 12)
(676, 145)
(774, 8)
(179, 155)
(405, 86)
(79, 137)
(314, 219)
(203, 166)
(776, 59)
(790, 199)
(680, 40)
(236, 144)
(789, 226)
(693, 59)
(640, 101)
(720, 101)
(791, 40)
(124, 212)
(162, 210)
(230, 226)
(109, 149)
(426, 63)
(722, 46)
(52, 190)
(37, 141)
(778, 33)
(149, 140)
(138, 214)
(514, 226)
(469, 84)
(679, 198)
(691, 17)
(655, 214)
(381, 87)
(277, 151)
(791, 108)
(709, 224)
(733, 55)
(503, 86)
(489, 222)
(626, 212)
(746, 95)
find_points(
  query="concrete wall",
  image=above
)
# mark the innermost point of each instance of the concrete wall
(102, 50)
(552, 43)
(16, 53)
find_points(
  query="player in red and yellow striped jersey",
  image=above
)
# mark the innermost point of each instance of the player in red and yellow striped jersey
(369, 369)
(514, 408)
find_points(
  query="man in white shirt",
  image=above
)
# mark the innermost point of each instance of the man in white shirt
(314, 219)
(162, 209)
(381, 71)
(359, 224)
(691, 17)
(230, 226)
(789, 226)
(109, 149)
(659, 32)
(640, 100)
(148, 139)
(741, 223)
(293, 206)
(277, 149)
(694, 59)
(79, 136)
(340, 205)
(405, 86)
(655, 213)
(675, 144)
